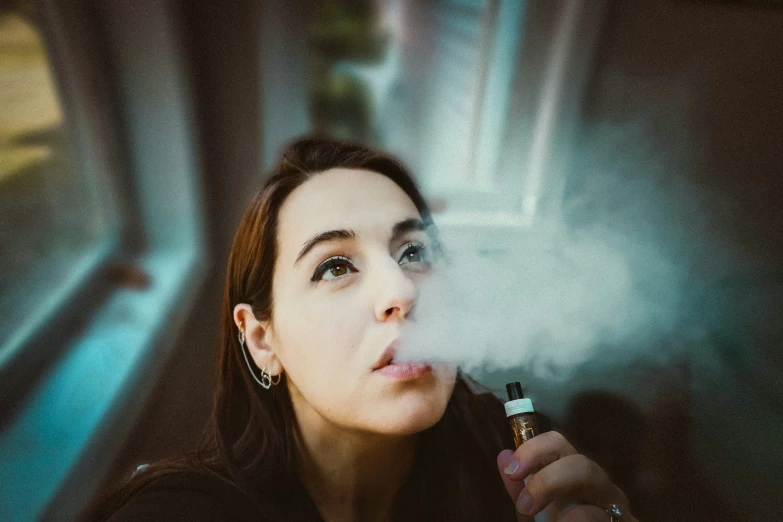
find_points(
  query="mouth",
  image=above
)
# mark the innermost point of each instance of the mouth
(398, 370)
(386, 358)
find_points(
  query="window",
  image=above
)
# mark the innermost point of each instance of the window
(456, 83)
(487, 99)
(54, 220)
(101, 237)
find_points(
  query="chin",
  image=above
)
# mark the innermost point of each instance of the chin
(412, 412)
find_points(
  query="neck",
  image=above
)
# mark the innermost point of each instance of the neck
(354, 476)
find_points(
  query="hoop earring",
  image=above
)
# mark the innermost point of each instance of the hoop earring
(266, 379)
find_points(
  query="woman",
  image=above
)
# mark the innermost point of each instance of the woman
(313, 417)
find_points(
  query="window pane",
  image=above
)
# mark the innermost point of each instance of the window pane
(52, 221)
(459, 30)
(453, 64)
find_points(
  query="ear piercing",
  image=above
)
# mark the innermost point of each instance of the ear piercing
(266, 380)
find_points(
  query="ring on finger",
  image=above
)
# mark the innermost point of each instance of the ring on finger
(614, 513)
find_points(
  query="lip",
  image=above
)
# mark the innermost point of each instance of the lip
(404, 371)
(399, 371)
(386, 357)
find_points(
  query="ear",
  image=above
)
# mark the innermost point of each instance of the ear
(258, 339)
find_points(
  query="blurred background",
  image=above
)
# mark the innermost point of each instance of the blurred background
(133, 134)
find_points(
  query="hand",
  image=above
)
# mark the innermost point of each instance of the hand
(558, 473)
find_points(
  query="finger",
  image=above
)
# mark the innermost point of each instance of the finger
(538, 452)
(513, 487)
(572, 478)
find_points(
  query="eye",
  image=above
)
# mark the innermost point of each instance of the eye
(414, 253)
(333, 268)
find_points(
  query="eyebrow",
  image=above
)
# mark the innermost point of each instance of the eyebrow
(398, 229)
(409, 225)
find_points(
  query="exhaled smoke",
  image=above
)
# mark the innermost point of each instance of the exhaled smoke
(596, 280)
(544, 298)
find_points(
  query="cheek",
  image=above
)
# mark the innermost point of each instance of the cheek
(317, 335)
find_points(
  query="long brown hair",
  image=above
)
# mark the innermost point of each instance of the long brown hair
(251, 437)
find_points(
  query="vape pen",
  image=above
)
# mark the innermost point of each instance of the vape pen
(520, 413)
(524, 426)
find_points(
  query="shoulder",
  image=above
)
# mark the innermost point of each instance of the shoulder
(188, 496)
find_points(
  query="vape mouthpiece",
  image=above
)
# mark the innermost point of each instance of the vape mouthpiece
(514, 390)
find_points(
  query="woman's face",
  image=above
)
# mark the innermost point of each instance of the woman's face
(352, 254)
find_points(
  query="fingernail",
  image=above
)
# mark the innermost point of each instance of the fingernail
(512, 467)
(524, 503)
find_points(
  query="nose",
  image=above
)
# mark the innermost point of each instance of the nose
(396, 293)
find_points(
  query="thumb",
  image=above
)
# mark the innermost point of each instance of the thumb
(514, 487)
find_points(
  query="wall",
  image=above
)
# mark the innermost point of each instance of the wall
(686, 110)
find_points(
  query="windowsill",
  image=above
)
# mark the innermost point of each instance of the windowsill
(84, 400)
(80, 271)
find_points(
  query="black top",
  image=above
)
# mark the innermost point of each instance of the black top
(189, 496)
(465, 441)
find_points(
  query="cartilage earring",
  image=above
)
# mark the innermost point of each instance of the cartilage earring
(249, 366)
